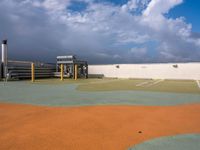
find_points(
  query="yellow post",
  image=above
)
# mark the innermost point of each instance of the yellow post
(61, 73)
(76, 72)
(32, 72)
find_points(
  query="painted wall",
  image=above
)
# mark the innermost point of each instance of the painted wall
(153, 71)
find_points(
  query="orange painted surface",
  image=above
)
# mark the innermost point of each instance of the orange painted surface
(93, 127)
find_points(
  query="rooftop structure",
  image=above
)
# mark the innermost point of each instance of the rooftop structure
(70, 59)
(69, 62)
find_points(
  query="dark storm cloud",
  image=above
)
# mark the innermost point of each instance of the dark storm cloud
(30, 35)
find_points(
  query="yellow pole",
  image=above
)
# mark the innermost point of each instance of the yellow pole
(76, 72)
(61, 73)
(32, 72)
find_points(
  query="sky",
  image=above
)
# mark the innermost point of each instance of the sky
(102, 31)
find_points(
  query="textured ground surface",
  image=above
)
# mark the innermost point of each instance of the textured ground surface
(175, 86)
(130, 116)
(178, 142)
(65, 94)
(89, 128)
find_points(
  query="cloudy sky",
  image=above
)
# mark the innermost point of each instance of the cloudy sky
(102, 31)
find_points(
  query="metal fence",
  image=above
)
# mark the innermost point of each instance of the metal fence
(22, 70)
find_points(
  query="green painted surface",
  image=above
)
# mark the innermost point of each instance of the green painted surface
(174, 86)
(65, 94)
(180, 142)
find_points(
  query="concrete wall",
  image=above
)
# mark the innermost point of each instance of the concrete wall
(154, 71)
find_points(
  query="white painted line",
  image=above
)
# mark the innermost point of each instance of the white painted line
(198, 83)
(143, 83)
(154, 83)
(158, 82)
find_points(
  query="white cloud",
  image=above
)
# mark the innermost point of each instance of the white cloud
(157, 8)
(132, 4)
(53, 6)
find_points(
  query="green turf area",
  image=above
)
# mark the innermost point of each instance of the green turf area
(175, 86)
(180, 142)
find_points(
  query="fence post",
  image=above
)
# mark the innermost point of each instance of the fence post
(76, 72)
(61, 73)
(32, 72)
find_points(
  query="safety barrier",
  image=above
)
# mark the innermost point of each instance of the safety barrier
(30, 70)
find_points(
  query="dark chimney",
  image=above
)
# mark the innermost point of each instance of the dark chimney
(4, 42)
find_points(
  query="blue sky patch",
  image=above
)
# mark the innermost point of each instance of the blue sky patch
(189, 9)
(77, 6)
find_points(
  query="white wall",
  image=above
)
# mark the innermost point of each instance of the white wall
(154, 71)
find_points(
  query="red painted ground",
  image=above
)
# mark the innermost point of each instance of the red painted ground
(91, 128)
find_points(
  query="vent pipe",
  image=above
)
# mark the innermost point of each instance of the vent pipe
(4, 59)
